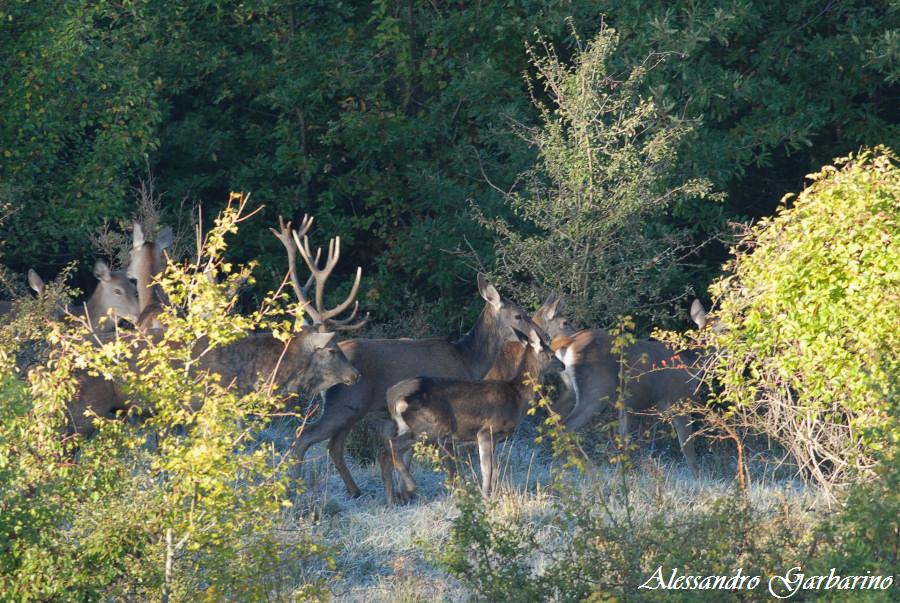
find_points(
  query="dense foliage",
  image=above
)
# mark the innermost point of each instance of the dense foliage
(609, 539)
(607, 158)
(180, 503)
(383, 118)
(809, 311)
(595, 148)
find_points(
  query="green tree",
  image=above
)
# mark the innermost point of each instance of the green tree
(607, 158)
(378, 117)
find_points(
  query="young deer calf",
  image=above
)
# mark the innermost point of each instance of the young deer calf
(465, 411)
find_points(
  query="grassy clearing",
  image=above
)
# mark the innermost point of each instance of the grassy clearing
(380, 551)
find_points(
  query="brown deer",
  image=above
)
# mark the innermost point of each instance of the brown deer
(35, 282)
(310, 363)
(384, 362)
(113, 298)
(655, 376)
(146, 260)
(485, 412)
(551, 320)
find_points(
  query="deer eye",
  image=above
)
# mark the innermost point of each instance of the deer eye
(118, 292)
(518, 317)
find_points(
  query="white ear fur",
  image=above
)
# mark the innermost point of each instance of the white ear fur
(698, 313)
(101, 271)
(535, 340)
(551, 306)
(35, 281)
(488, 292)
(137, 237)
(518, 336)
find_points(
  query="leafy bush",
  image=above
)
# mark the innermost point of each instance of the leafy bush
(808, 349)
(607, 536)
(181, 505)
(606, 166)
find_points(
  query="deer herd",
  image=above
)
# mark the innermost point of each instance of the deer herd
(475, 389)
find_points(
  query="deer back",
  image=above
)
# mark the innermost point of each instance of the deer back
(656, 375)
(384, 362)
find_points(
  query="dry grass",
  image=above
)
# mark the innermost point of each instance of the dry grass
(379, 549)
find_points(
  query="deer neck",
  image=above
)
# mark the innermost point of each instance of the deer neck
(508, 362)
(528, 372)
(481, 344)
(143, 274)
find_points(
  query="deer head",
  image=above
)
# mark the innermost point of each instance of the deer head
(550, 318)
(114, 295)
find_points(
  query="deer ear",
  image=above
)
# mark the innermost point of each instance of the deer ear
(488, 292)
(698, 313)
(137, 236)
(101, 271)
(35, 281)
(552, 306)
(165, 238)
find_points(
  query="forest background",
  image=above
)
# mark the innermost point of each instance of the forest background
(399, 125)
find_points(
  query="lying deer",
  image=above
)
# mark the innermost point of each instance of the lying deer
(465, 411)
(656, 376)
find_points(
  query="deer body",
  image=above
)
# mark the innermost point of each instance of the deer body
(464, 410)
(384, 362)
(311, 363)
(655, 376)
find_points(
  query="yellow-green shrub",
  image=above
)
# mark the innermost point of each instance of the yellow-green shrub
(810, 349)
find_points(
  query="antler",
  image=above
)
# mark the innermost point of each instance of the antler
(321, 317)
(320, 275)
(284, 234)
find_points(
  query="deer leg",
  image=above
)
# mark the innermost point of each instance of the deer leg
(593, 391)
(387, 473)
(398, 447)
(486, 456)
(683, 429)
(565, 404)
(336, 451)
(330, 427)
